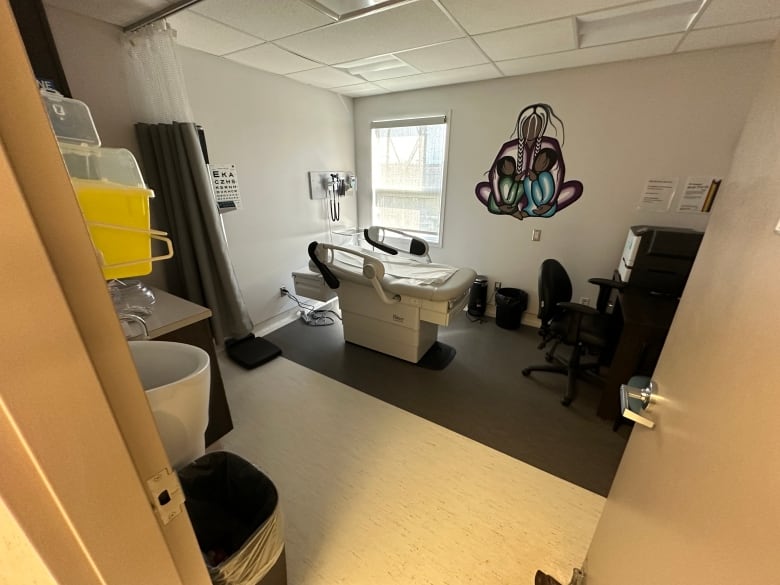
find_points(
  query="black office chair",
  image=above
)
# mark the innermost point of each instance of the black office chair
(584, 328)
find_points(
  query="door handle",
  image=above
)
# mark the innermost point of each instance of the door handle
(639, 399)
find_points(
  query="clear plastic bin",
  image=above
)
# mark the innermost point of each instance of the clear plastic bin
(70, 119)
(115, 165)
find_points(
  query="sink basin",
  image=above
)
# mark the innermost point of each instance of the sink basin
(177, 379)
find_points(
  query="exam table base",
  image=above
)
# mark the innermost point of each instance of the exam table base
(394, 329)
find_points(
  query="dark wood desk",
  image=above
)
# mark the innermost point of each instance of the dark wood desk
(643, 321)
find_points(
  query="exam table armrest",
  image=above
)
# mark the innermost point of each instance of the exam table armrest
(375, 235)
(373, 269)
(330, 278)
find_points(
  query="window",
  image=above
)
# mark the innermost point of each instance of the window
(408, 160)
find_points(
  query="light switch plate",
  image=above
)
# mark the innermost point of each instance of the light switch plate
(777, 227)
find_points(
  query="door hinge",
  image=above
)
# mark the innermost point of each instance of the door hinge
(166, 494)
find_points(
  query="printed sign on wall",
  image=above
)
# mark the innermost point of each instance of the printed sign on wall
(224, 183)
(527, 177)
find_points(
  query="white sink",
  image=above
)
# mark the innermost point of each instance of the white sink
(176, 378)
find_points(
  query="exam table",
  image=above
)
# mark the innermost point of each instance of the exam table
(391, 303)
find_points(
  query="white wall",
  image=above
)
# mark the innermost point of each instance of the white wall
(275, 130)
(669, 116)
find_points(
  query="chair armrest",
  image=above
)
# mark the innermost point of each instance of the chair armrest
(608, 282)
(579, 308)
(606, 286)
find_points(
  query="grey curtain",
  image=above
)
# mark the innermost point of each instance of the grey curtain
(175, 168)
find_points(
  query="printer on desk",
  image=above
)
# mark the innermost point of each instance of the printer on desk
(659, 259)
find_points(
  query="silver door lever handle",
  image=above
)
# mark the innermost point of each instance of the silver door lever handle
(645, 396)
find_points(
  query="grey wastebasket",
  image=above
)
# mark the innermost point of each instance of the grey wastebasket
(234, 510)
(510, 304)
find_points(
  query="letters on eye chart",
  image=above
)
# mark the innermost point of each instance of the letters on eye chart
(527, 177)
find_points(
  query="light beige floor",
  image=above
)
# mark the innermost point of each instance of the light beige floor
(373, 495)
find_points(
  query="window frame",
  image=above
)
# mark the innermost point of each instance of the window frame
(433, 239)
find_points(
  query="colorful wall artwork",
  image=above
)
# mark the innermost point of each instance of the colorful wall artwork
(527, 177)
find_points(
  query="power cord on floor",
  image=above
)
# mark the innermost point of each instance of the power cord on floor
(311, 316)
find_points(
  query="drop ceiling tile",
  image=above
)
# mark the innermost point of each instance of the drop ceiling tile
(526, 41)
(736, 34)
(723, 12)
(473, 73)
(481, 17)
(636, 21)
(360, 90)
(198, 32)
(449, 55)
(267, 19)
(326, 77)
(592, 56)
(269, 57)
(406, 26)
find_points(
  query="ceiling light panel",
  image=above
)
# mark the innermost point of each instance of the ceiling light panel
(360, 90)
(723, 12)
(637, 21)
(449, 55)
(402, 27)
(326, 77)
(267, 19)
(269, 57)
(400, 71)
(381, 67)
(736, 34)
(466, 74)
(525, 41)
(378, 63)
(592, 56)
(480, 17)
(198, 32)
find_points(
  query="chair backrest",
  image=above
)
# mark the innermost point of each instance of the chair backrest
(554, 288)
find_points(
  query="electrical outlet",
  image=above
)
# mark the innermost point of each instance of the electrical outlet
(497, 285)
(283, 292)
(585, 301)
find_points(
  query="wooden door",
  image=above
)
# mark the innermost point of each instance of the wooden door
(79, 440)
(696, 499)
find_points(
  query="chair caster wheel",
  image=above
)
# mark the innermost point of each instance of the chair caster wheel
(566, 401)
(526, 372)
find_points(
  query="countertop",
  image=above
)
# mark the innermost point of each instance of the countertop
(169, 313)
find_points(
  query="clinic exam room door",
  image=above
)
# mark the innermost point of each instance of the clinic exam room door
(696, 499)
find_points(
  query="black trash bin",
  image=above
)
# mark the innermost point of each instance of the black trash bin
(510, 304)
(234, 510)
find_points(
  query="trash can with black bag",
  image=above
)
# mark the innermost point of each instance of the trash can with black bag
(234, 510)
(510, 305)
